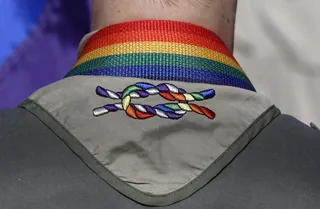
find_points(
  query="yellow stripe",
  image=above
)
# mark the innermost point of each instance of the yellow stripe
(126, 102)
(184, 107)
(189, 97)
(158, 47)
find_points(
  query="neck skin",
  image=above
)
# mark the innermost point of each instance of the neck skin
(215, 15)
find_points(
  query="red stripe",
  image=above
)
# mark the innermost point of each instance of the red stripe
(209, 113)
(150, 36)
(142, 115)
(162, 31)
(158, 25)
(167, 96)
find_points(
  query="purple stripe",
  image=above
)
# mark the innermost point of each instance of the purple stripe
(119, 94)
(149, 109)
(173, 115)
(142, 93)
(171, 73)
(101, 92)
(111, 108)
(182, 91)
(163, 87)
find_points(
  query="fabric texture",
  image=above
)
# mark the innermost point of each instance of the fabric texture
(277, 43)
(139, 60)
(278, 169)
(156, 156)
(148, 198)
(163, 161)
(161, 50)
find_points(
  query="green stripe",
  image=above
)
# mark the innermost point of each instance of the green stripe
(161, 60)
(197, 97)
(129, 90)
(173, 106)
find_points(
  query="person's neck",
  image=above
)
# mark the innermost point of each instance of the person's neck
(217, 16)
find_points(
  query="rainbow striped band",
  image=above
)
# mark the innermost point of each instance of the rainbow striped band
(160, 50)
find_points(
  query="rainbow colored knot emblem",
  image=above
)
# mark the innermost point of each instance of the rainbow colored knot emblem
(167, 91)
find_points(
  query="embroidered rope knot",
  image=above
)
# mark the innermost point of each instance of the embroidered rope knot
(167, 91)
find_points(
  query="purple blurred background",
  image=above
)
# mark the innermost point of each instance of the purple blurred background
(38, 44)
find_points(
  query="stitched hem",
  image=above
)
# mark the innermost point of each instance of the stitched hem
(147, 198)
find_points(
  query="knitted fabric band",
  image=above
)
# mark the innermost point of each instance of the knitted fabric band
(160, 50)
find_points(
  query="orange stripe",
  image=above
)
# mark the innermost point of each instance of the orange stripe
(149, 36)
(131, 112)
(196, 109)
(179, 97)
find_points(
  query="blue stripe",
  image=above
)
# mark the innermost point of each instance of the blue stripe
(163, 108)
(170, 73)
(208, 94)
(144, 86)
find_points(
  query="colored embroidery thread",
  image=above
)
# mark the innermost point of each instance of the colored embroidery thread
(167, 91)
